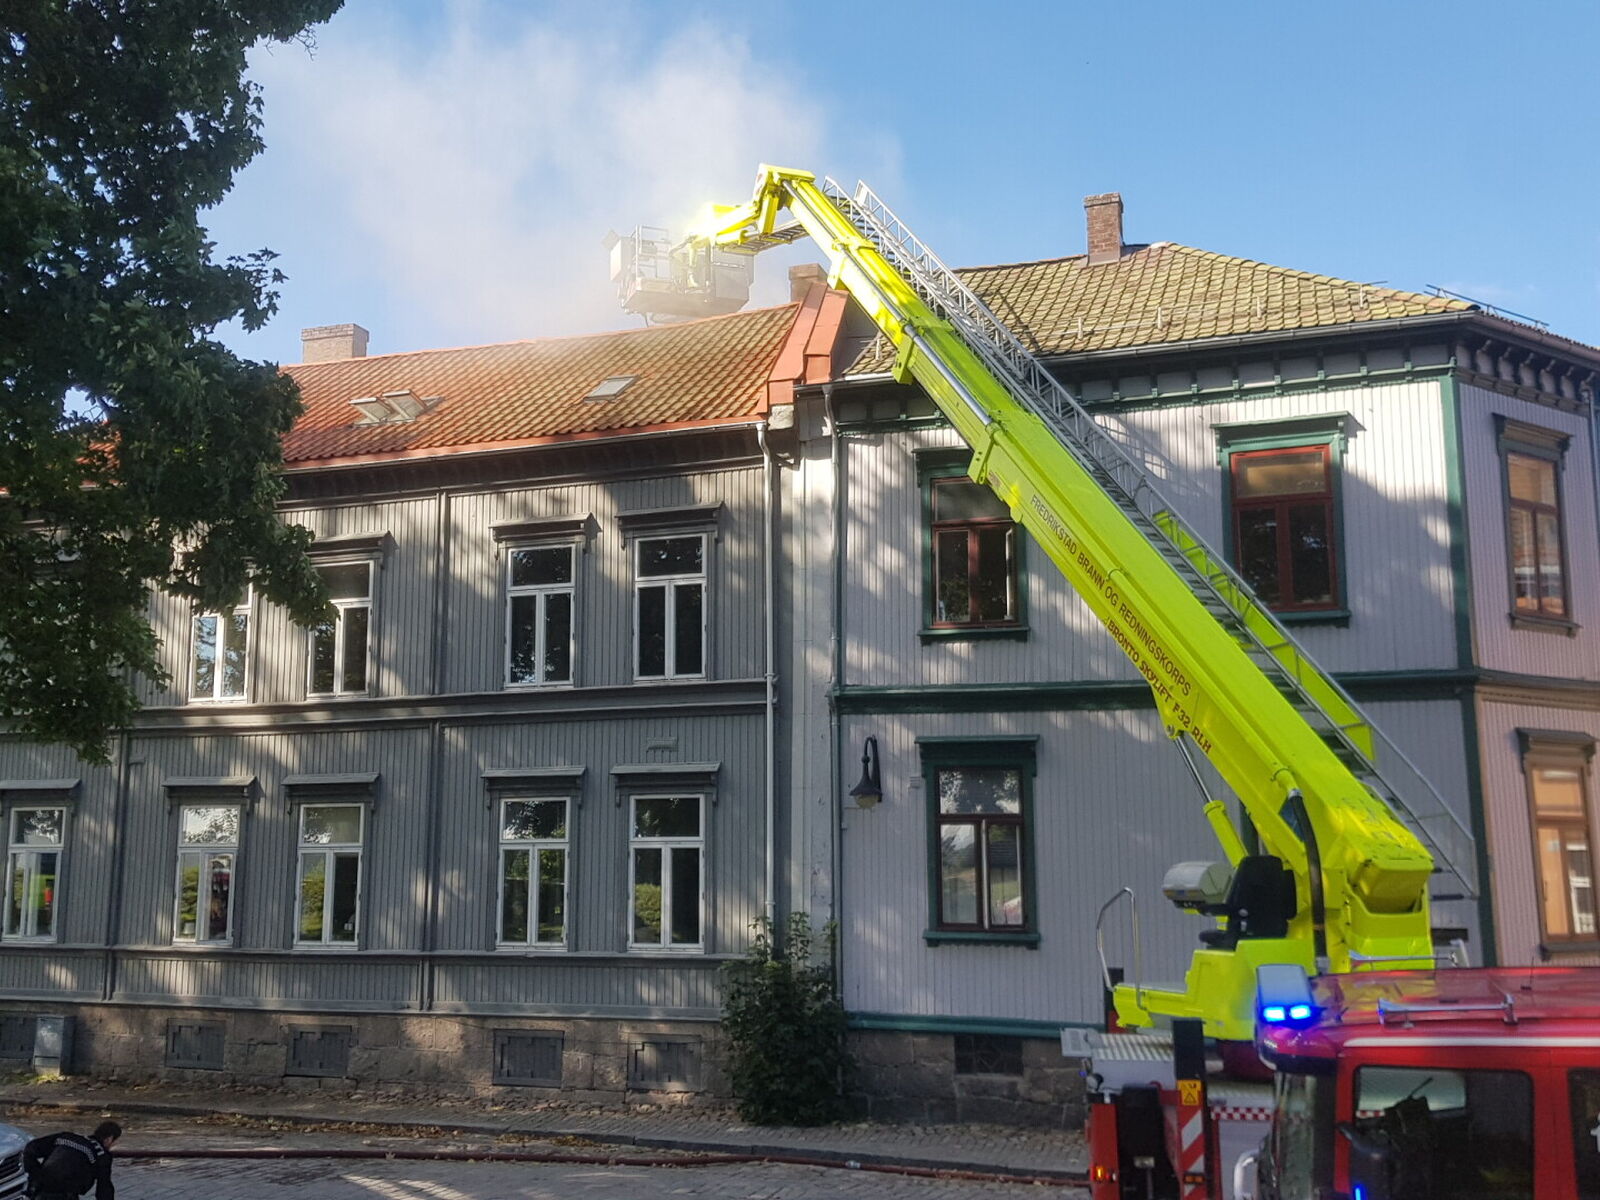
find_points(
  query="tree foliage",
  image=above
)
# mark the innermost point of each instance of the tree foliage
(786, 1029)
(136, 451)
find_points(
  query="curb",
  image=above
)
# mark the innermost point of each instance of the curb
(706, 1153)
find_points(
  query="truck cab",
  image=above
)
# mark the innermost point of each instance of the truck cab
(1436, 1085)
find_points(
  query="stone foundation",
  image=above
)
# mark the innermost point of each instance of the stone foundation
(927, 1078)
(600, 1061)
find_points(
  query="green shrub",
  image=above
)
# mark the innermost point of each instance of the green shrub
(785, 1028)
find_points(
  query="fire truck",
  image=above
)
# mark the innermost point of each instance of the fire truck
(1316, 1041)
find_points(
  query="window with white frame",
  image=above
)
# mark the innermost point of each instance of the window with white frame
(328, 898)
(208, 853)
(533, 872)
(35, 837)
(669, 607)
(539, 615)
(219, 651)
(668, 856)
(339, 647)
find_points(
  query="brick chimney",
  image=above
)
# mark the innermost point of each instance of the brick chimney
(1105, 227)
(802, 277)
(324, 343)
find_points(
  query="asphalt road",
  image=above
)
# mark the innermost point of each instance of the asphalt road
(323, 1179)
(392, 1179)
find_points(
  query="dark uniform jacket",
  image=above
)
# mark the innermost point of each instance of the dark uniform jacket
(67, 1165)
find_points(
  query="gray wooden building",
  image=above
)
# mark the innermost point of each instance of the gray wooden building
(501, 821)
(1407, 479)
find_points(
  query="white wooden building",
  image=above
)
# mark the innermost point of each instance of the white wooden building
(1407, 478)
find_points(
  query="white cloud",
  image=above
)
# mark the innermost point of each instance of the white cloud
(471, 178)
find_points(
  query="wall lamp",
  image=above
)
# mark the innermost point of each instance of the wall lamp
(870, 790)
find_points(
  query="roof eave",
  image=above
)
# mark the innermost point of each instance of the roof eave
(357, 462)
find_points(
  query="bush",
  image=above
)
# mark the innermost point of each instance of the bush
(785, 1027)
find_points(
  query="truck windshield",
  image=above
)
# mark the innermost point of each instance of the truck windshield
(1298, 1154)
(1584, 1087)
(1453, 1135)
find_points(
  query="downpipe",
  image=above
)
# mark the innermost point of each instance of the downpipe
(769, 575)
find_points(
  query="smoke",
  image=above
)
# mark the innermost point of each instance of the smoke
(453, 186)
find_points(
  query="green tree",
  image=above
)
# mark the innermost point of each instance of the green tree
(785, 1027)
(136, 451)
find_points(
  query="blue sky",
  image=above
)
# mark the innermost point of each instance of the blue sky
(443, 171)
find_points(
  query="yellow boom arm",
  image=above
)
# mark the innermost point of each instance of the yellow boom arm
(1373, 870)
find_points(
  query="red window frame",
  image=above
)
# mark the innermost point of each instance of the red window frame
(1281, 506)
(975, 527)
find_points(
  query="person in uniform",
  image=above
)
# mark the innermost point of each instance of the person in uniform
(63, 1166)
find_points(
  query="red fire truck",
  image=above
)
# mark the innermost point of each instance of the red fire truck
(1456, 1084)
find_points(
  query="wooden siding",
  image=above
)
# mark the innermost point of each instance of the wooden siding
(1113, 805)
(1394, 514)
(598, 825)
(473, 614)
(532, 985)
(1500, 646)
(1394, 511)
(48, 973)
(1510, 827)
(308, 980)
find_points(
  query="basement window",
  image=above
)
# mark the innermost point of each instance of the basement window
(610, 387)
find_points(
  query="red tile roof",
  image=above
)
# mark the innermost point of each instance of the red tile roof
(1169, 293)
(711, 371)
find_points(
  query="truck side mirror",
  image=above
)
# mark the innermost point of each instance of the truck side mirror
(1371, 1162)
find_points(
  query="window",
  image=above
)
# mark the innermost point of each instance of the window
(36, 836)
(1583, 1087)
(539, 615)
(667, 856)
(1284, 526)
(329, 894)
(219, 653)
(339, 646)
(1457, 1135)
(1534, 535)
(974, 567)
(533, 872)
(980, 832)
(1299, 1150)
(208, 849)
(669, 607)
(980, 860)
(1556, 765)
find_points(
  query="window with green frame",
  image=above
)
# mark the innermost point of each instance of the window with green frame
(980, 839)
(972, 573)
(1532, 459)
(1284, 530)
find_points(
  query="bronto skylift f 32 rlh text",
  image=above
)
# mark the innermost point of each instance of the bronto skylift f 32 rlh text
(1323, 904)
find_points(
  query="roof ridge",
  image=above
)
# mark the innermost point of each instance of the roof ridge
(541, 341)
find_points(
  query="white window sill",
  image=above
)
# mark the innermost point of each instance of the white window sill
(664, 951)
(526, 950)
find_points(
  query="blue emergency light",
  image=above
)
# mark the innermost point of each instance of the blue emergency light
(1283, 995)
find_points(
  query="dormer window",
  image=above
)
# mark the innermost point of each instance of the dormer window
(392, 408)
(611, 387)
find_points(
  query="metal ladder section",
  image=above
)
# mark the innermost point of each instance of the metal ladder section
(1324, 705)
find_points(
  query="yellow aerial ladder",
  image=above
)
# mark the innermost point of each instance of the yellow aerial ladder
(1228, 680)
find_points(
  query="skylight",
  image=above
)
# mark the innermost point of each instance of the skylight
(392, 407)
(610, 387)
